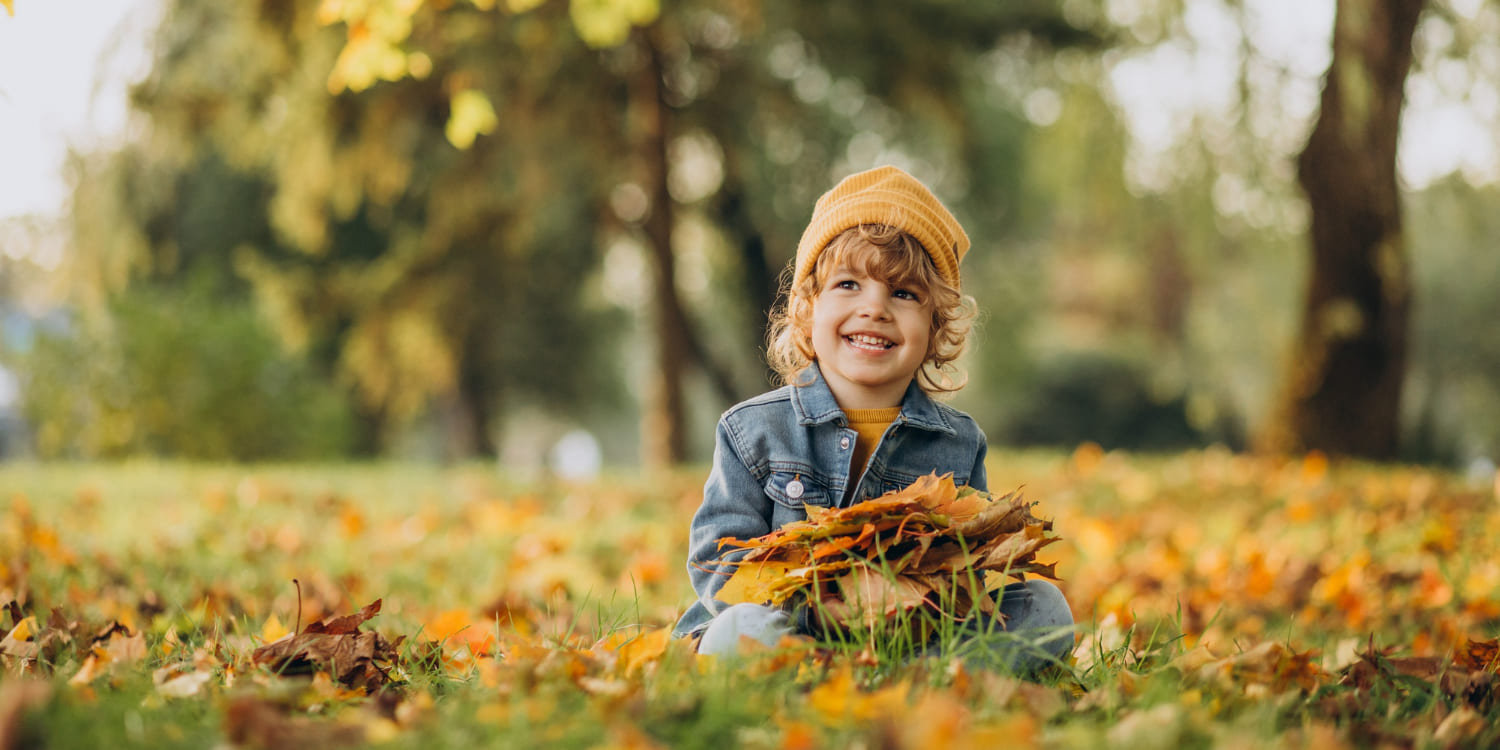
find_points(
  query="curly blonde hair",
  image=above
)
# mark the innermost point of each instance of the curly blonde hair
(889, 255)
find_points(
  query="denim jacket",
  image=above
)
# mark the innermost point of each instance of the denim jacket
(782, 451)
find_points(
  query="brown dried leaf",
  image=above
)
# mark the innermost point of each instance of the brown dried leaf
(1269, 665)
(1006, 516)
(336, 646)
(13, 608)
(942, 556)
(1015, 552)
(347, 623)
(873, 597)
(1479, 655)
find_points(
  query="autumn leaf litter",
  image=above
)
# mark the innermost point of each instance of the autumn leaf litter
(1305, 602)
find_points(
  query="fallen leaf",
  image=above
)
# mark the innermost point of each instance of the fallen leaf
(176, 682)
(1480, 655)
(644, 649)
(1460, 725)
(839, 701)
(336, 645)
(1270, 665)
(273, 630)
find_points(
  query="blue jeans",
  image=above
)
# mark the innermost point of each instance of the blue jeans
(1038, 630)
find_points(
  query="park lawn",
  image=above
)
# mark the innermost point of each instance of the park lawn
(1223, 600)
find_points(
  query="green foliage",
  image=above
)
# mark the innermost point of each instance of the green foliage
(1110, 401)
(1453, 400)
(177, 372)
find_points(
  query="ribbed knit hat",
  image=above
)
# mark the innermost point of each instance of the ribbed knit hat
(884, 195)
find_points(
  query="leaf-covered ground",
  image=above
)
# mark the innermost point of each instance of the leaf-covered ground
(1222, 600)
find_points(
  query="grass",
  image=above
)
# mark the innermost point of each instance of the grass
(1222, 600)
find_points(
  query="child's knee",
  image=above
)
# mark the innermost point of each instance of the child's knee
(766, 625)
(1049, 608)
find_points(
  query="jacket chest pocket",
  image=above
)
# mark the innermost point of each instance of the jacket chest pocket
(898, 480)
(791, 494)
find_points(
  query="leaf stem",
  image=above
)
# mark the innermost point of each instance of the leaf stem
(297, 626)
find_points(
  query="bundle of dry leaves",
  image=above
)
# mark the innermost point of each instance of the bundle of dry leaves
(926, 547)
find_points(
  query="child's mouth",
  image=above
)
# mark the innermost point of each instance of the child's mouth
(869, 343)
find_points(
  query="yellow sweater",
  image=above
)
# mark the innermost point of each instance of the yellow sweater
(868, 425)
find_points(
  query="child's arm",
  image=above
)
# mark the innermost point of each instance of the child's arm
(978, 479)
(734, 505)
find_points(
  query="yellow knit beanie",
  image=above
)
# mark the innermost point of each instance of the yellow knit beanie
(884, 195)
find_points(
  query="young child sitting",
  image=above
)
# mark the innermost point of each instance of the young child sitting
(871, 325)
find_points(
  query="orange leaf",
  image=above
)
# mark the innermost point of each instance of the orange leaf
(1479, 655)
(644, 649)
(834, 546)
(840, 701)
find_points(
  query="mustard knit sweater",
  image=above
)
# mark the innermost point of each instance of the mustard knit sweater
(868, 425)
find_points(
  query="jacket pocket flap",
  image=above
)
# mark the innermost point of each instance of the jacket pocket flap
(896, 480)
(795, 490)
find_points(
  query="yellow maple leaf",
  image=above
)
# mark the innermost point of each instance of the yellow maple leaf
(9, 8)
(755, 583)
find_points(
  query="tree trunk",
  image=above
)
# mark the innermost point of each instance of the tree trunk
(371, 425)
(1342, 392)
(475, 401)
(663, 442)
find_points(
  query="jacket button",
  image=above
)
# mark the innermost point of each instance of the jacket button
(794, 489)
(844, 442)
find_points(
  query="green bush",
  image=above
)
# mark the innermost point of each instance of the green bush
(176, 373)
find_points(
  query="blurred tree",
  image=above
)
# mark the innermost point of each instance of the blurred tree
(799, 80)
(428, 279)
(417, 203)
(1343, 392)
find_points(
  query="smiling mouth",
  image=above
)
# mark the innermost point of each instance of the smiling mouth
(869, 343)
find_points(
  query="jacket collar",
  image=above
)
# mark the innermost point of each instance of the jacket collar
(813, 403)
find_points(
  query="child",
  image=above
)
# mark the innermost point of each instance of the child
(872, 322)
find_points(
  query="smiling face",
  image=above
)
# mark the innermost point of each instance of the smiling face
(869, 336)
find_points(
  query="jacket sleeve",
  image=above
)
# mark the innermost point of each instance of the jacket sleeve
(978, 478)
(734, 505)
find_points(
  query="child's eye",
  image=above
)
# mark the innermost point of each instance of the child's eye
(906, 294)
(846, 284)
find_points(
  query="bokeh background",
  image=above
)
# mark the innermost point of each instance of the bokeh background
(547, 233)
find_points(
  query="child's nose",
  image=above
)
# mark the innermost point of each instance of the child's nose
(875, 304)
